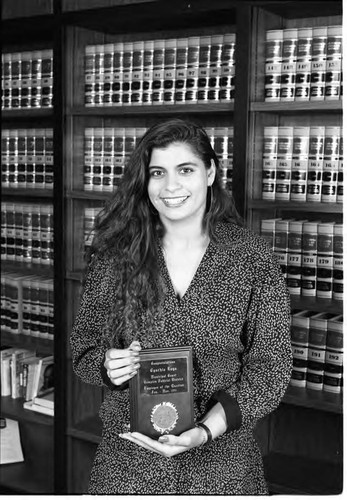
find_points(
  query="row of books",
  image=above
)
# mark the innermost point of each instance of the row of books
(107, 150)
(28, 376)
(167, 71)
(317, 346)
(27, 233)
(302, 163)
(27, 158)
(310, 254)
(303, 64)
(27, 79)
(27, 305)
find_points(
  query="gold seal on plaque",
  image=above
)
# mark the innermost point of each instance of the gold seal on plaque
(164, 417)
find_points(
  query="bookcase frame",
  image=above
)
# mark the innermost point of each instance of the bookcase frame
(296, 460)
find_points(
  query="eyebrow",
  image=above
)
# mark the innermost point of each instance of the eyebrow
(184, 164)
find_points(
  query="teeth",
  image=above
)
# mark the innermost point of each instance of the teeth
(174, 201)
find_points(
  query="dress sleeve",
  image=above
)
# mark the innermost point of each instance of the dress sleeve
(266, 361)
(88, 350)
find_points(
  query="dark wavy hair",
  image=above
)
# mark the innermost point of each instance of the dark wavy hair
(128, 229)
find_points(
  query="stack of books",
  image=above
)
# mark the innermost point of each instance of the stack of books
(27, 79)
(27, 305)
(310, 254)
(303, 164)
(26, 375)
(303, 64)
(27, 158)
(167, 71)
(317, 345)
(27, 233)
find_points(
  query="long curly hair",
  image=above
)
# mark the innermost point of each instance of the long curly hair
(128, 229)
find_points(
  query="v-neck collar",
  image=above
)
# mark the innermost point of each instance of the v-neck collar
(207, 254)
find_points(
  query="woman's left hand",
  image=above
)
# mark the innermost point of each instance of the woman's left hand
(168, 445)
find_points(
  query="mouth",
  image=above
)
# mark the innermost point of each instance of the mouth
(174, 201)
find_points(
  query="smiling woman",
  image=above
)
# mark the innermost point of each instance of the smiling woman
(171, 265)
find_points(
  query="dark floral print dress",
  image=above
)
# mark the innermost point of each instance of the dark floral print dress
(236, 316)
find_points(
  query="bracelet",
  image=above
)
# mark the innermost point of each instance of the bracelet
(206, 429)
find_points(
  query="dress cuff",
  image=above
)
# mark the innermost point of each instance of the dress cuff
(108, 382)
(231, 409)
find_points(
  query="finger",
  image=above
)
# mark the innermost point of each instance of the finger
(134, 438)
(135, 346)
(121, 380)
(118, 353)
(117, 364)
(121, 372)
(171, 440)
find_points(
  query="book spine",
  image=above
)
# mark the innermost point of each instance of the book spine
(22, 158)
(298, 187)
(204, 63)
(315, 164)
(294, 270)
(49, 152)
(99, 75)
(319, 49)
(338, 262)
(284, 163)
(158, 72)
(309, 259)
(47, 79)
(5, 158)
(108, 74)
(13, 159)
(227, 79)
(181, 70)
(330, 164)
(333, 74)
(300, 343)
(137, 74)
(170, 53)
(270, 148)
(273, 60)
(325, 260)
(127, 72)
(288, 64)
(215, 68)
(281, 244)
(303, 65)
(191, 95)
(316, 352)
(333, 370)
(36, 83)
(117, 86)
(148, 72)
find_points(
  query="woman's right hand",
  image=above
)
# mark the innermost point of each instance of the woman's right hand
(122, 364)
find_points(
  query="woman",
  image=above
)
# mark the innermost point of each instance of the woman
(172, 266)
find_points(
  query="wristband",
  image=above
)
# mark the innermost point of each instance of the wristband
(206, 429)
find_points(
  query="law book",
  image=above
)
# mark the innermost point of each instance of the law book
(44, 379)
(303, 64)
(158, 72)
(89, 76)
(284, 163)
(204, 63)
(137, 74)
(127, 72)
(161, 394)
(319, 52)
(315, 163)
(108, 74)
(181, 70)
(170, 52)
(333, 370)
(294, 269)
(288, 64)
(215, 68)
(46, 399)
(316, 350)
(270, 148)
(147, 84)
(49, 151)
(298, 184)
(227, 80)
(191, 95)
(117, 85)
(33, 367)
(273, 60)
(338, 262)
(333, 74)
(16, 358)
(29, 405)
(99, 75)
(300, 324)
(5, 369)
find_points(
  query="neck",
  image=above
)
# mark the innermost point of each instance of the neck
(184, 235)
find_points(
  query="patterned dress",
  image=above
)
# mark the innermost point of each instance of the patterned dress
(236, 315)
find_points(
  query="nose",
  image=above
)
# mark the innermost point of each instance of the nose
(172, 182)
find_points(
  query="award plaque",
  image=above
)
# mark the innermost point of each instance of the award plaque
(161, 394)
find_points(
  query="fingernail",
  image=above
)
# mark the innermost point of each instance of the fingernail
(163, 439)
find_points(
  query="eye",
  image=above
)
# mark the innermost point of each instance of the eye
(186, 170)
(156, 173)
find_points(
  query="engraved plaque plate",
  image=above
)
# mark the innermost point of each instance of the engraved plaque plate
(161, 394)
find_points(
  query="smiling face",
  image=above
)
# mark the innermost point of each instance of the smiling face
(178, 181)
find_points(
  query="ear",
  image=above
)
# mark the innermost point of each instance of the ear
(211, 173)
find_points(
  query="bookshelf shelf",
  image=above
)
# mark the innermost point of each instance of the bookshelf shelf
(13, 408)
(302, 475)
(22, 114)
(295, 107)
(26, 268)
(333, 208)
(319, 400)
(27, 193)
(160, 109)
(42, 346)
